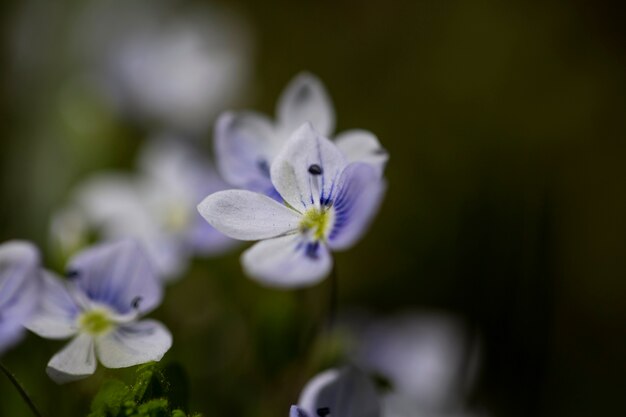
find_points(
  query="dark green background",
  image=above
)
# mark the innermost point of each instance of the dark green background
(506, 203)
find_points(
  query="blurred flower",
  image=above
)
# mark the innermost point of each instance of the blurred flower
(430, 360)
(19, 289)
(246, 143)
(110, 286)
(345, 392)
(157, 206)
(170, 66)
(329, 204)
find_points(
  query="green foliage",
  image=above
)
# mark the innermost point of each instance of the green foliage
(156, 392)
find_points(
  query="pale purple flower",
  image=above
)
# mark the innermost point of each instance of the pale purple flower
(344, 392)
(246, 143)
(19, 289)
(329, 202)
(109, 287)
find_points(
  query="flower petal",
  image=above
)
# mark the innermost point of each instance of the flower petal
(296, 411)
(362, 146)
(305, 172)
(133, 344)
(56, 315)
(287, 262)
(118, 274)
(77, 360)
(357, 201)
(246, 215)
(346, 393)
(245, 145)
(305, 100)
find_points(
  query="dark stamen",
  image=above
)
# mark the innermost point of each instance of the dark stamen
(323, 412)
(263, 167)
(135, 303)
(72, 274)
(315, 169)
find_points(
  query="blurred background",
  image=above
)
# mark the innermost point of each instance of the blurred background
(504, 222)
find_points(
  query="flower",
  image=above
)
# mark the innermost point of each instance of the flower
(345, 392)
(19, 289)
(109, 288)
(157, 206)
(246, 143)
(329, 203)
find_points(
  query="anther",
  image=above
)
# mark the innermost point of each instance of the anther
(315, 169)
(72, 274)
(323, 412)
(135, 303)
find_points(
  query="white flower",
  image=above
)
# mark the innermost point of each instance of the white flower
(109, 288)
(345, 392)
(19, 289)
(246, 143)
(329, 204)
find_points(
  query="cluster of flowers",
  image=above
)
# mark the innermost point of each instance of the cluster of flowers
(299, 193)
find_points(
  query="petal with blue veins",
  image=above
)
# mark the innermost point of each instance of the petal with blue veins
(357, 200)
(305, 100)
(118, 274)
(307, 170)
(287, 262)
(246, 215)
(133, 344)
(76, 361)
(362, 146)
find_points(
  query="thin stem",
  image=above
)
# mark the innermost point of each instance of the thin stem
(21, 390)
(334, 295)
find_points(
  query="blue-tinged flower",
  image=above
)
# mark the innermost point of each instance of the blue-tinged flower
(329, 203)
(246, 143)
(19, 289)
(345, 392)
(157, 206)
(109, 288)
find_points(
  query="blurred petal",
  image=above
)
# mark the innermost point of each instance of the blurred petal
(77, 360)
(346, 393)
(356, 202)
(117, 274)
(305, 172)
(56, 316)
(246, 215)
(296, 411)
(362, 146)
(245, 145)
(287, 262)
(305, 100)
(133, 344)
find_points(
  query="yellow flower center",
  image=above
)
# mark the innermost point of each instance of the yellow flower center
(318, 221)
(95, 322)
(177, 218)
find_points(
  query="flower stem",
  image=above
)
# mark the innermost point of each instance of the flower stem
(21, 390)
(334, 295)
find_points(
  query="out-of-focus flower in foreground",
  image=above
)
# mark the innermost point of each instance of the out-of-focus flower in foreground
(157, 206)
(329, 202)
(246, 143)
(345, 392)
(19, 289)
(109, 288)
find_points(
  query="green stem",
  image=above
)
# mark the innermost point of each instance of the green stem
(21, 390)
(334, 295)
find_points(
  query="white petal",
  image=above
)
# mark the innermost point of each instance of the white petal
(77, 360)
(133, 344)
(292, 168)
(246, 215)
(287, 262)
(56, 315)
(362, 146)
(305, 100)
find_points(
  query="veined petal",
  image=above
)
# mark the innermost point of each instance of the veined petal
(133, 344)
(55, 317)
(296, 411)
(245, 144)
(118, 274)
(287, 262)
(346, 393)
(305, 100)
(75, 361)
(246, 215)
(357, 201)
(362, 146)
(306, 171)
